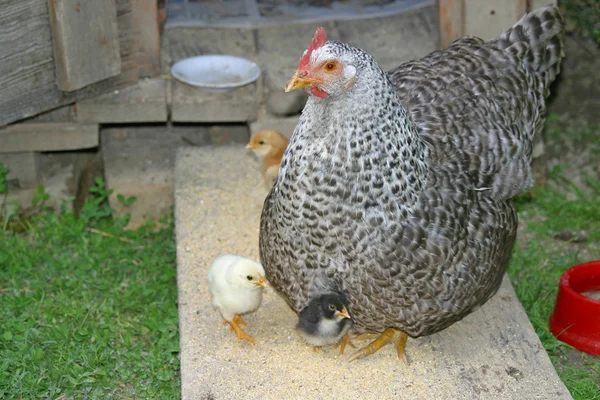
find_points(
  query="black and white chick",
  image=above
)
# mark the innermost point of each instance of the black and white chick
(326, 320)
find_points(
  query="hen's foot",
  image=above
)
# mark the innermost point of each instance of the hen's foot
(241, 335)
(389, 335)
(343, 342)
(365, 336)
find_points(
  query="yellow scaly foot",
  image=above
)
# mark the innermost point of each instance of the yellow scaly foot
(389, 335)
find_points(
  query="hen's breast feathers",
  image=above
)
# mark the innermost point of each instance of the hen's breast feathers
(478, 105)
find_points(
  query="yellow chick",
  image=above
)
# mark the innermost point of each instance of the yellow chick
(269, 146)
(236, 285)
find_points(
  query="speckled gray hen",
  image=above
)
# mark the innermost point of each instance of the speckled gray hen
(396, 187)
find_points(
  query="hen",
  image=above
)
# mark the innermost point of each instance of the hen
(396, 188)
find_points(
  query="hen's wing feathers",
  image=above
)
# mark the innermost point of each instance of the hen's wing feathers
(478, 105)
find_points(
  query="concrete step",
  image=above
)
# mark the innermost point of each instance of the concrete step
(493, 353)
(139, 161)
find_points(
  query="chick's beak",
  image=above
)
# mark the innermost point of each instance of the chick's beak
(344, 313)
(250, 146)
(262, 282)
(299, 80)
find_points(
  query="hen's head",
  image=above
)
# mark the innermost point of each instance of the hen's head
(327, 68)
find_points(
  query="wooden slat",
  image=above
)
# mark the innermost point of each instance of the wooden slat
(86, 42)
(24, 169)
(145, 41)
(27, 73)
(451, 14)
(535, 4)
(143, 102)
(60, 114)
(48, 137)
(488, 18)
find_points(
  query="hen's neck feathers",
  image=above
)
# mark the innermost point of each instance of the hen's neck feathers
(350, 134)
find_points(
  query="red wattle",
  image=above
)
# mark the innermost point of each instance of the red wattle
(318, 92)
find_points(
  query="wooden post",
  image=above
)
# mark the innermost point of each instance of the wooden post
(451, 14)
(482, 18)
(86, 42)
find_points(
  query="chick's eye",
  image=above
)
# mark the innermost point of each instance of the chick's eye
(330, 66)
(249, 277)
(261, 142)
(332, 307)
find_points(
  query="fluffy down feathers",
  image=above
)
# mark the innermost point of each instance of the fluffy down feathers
(269, 146)
(236, 285)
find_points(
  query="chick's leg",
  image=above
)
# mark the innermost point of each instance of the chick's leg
(238, 320)
(241, 335)
(343, 342)
(389, 335)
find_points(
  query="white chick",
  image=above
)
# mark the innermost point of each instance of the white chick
(236, 285)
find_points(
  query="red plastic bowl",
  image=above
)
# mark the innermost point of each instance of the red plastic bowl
(576, 318)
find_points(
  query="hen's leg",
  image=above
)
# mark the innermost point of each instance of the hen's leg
(389, 335)
(241, 335)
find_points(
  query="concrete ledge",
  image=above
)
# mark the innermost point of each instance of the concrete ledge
(48, 137)
(190, 104)
(146, 101)
(493, 353)
(283, 125)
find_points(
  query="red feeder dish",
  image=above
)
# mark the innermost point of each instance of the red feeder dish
(576, 317)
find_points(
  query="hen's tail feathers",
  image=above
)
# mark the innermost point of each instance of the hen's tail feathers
(537, 40)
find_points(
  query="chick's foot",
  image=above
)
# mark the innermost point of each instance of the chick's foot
(389, 335)
(342, 344)
(241, 335)
(238, 320)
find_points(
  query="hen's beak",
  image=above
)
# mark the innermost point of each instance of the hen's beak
(299, 80)
(250, 146)
(262, 282)
(344, 313)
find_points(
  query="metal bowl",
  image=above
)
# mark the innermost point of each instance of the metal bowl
(215, 72)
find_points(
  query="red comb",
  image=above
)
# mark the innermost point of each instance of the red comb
(317, 41)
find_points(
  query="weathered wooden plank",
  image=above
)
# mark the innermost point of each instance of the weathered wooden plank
(535, 4)
(488, 18)
(145, 43)
(143, 102)
(61, 114)
(451, 13)
(24, 169)
(48, 137)
(27, 73)
(85, 41)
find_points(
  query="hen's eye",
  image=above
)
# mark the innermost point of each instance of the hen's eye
(332, 307)
(261, 142)
(249, 277)
(330, 66)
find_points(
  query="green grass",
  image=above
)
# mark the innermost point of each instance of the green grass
(539, 260)
(88, 309)
(583, 17)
